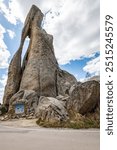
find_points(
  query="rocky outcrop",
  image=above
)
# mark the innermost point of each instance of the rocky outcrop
(29, 97)
(64, 82)
(40, 71)
(39, 86)
(51, 110)
(14, 77)
(85, 96)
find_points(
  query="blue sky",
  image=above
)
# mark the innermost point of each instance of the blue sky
(74, 24)
(76, 67)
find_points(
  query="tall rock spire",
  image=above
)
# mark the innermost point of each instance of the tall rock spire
(40, 71)
(37, 87)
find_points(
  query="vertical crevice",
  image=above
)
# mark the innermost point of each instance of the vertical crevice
(56, 82)
(39, 92)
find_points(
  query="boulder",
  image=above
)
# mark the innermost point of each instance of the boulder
(51, 110)
(85, 97)
(65, 100)
(28, 97)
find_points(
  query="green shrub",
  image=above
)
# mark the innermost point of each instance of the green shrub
(3, 110)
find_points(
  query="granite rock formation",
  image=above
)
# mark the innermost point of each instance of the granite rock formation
(40, 71)
(46, 91)
(84, 97)
(51, 110)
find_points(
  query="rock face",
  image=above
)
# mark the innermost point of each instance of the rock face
(14, 77)
(40, 71)
(28, 97)
(85, 96)
(96, 78)
(51, 110)
(37, 83)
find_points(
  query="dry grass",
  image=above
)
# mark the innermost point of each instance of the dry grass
(76, 121)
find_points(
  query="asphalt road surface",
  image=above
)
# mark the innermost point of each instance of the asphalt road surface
(12, 138)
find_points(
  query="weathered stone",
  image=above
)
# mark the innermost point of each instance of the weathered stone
(39, 75)
(64, 81)
(14, 77)
(4, 118)
(15, 70)
(51, 110)
(40, 71)
(85, 96)
(28, 97)
(65, 100)
(95, 78)
(40, 64)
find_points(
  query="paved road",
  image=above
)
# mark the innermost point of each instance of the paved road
(48, 139)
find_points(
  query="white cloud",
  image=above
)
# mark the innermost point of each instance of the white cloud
(93, 66)
(11, 33)
(82, 80)
(12, 12)
(74, 24)
(3, 81)
(1, 94)
(2, 31)
(4, 53)
(4, 56)
(75, 30)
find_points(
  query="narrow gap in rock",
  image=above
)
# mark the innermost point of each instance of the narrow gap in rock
(25, 47)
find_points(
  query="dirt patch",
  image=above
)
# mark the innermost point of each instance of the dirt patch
(20, 123)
